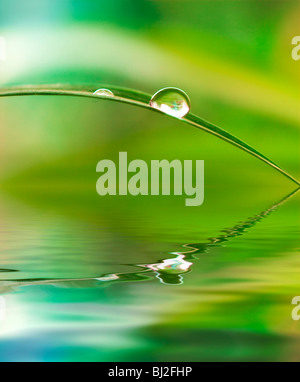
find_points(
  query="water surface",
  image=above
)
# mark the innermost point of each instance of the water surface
(75, 290)
(139, 278)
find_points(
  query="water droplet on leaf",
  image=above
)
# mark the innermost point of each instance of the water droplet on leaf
(171, 101)
(104, 93)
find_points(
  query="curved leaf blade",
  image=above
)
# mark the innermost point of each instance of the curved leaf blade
(139, 99)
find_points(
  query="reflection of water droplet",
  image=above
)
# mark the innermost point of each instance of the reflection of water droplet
(171, 101)
(104, 93)
(169, 279)
(169, 271)
(175, 265)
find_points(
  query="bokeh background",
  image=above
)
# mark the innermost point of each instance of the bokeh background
(233, 59)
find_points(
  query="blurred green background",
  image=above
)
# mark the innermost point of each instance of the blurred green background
(233, 58)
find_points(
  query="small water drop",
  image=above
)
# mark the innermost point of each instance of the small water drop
(104, 93)
(171, 101)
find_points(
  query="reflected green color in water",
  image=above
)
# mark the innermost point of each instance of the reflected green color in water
(234, 302)
(168, 271)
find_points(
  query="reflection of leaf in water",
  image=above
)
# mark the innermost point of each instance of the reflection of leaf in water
(137, 98)
(8, 270)
(168, 271)
(238, 230)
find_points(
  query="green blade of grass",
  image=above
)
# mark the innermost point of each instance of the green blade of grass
(139, 99)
